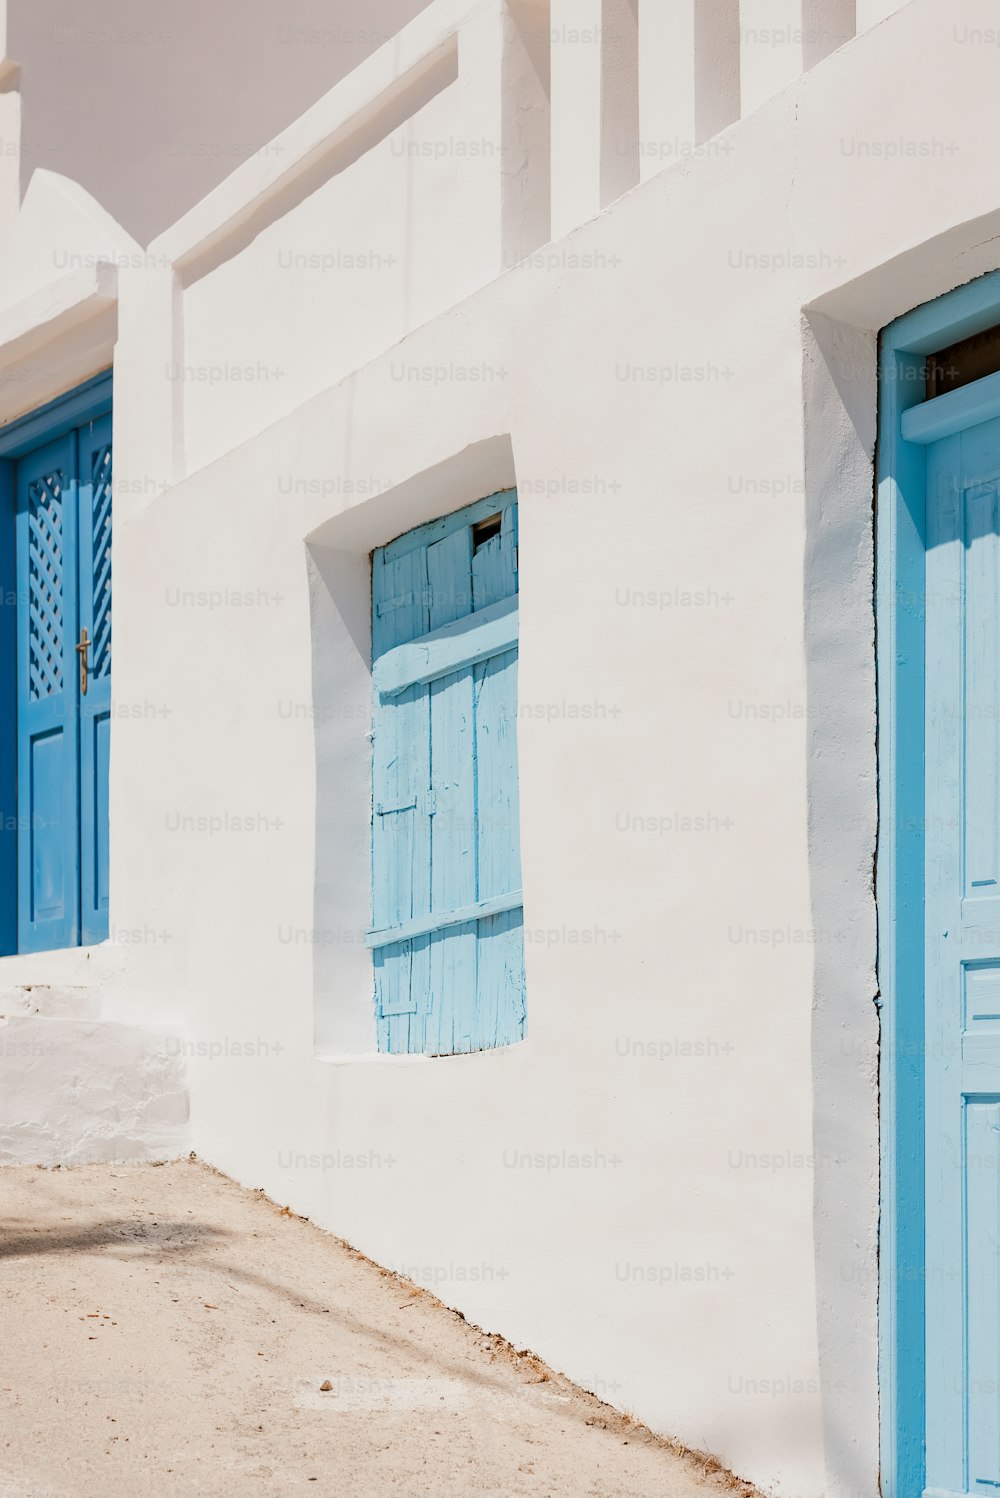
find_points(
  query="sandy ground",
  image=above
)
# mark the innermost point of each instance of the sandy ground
(164, 1332)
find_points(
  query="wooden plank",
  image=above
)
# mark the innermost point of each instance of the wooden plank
(57, 417)
(945, 1392)
(981, 800)
(904, 1268)
(401, 773)
(962, 1046)
(48, 698)
(399, 600)
(453, 860)
(494, 565)
(441, 920)
(8, 712)
(947, 414)
(449, 579)
(498, 833)
(501, 980)
(449, 582)
(981, 1373)
(453, 786)
(95, 560)
(458, 645)
(980, 1061)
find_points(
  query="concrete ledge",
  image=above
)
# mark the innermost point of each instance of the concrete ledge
(60, 1001)
(74, 1091)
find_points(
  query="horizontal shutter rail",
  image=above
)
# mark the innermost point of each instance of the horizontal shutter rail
(426, 925)
(403, 601)
(467, 642)
(382, 810)
(945, 415)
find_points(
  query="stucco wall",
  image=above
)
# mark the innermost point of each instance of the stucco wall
(670, 1190)
(202, 88)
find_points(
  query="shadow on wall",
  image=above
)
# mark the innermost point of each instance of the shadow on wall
(150, 107)
(840, 424)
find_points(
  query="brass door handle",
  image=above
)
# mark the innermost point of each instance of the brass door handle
(81, 651)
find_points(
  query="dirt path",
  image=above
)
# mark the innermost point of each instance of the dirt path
(164, 1332)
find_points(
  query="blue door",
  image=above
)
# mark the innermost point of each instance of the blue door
(94, 647)
(63, 542)
(962, 957)
(448, 937)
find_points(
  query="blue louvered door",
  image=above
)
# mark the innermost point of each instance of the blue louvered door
(447, 933)
(962, 904)
(63, 534)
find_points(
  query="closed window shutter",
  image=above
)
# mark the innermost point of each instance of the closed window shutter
(447, 919)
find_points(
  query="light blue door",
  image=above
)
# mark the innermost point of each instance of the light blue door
(962, 923)
(63, 540)
(448, 939)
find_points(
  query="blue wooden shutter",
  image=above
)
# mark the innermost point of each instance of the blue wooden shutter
(95, 486)
(448, 924)
(962, 994)
(48, 825)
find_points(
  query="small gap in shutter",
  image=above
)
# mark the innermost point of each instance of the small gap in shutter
(485, 530)
(961, 363)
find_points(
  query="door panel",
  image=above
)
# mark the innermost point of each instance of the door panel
(63, 544)
(94, 446)
(962, 915)
(48, 778)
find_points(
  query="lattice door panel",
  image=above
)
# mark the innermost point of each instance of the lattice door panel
(101, 475)
(46, 559)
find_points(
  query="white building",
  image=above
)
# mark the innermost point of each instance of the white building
(626, 264)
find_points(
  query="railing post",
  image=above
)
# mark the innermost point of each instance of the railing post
(576, 113)
(689, 76)
(149, 395)
(504, 78)
(595, 107)
(619, 98)
(527, 148)
(782, 39)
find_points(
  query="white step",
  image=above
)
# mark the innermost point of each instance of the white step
(58, 1001)
(78, 1089)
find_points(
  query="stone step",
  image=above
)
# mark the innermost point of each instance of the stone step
(79, 1089)
(55, 1001)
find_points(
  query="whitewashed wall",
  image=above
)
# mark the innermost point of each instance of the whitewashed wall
(202, 88)
(670, 1189)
